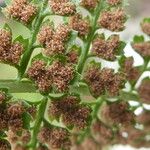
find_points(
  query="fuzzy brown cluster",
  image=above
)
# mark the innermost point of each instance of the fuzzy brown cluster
(72, 57)
(114, 2)
(132, 72)
(56, 75)
(4, 145)
(113, 21)
(101, 133)
(89, 4)
(9, 52)
(144, 91)
(71, 112)
(102, 81)
(62, 7)
(18, 140)
(117, 113)
(106, 49)
(54, 41)
(79, 24)
(40, 75)
(22, 10)
(146, 27)
(142, 48)
(55, 138)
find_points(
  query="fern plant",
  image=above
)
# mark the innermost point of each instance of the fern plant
(84, 104)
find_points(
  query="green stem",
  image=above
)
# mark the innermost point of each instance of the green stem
(90, 37)
(39, 119)
(17, 87)
(28, 52)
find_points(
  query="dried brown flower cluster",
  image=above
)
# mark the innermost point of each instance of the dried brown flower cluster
(4, 145)
(89, 4)
(55, 138)
(146, 27)
(113, 20)
(144, 91)
(114, 2)
(15, 138)
(72, 56)
(54, 41)
(62, 7)
(117, 113)
(132, 72)
(143, 48)
(22, 10)
(71, 112)
(103, 81)
(106, 49)
(79, 24)
(56, 75)
(9, 52)
(101, 133)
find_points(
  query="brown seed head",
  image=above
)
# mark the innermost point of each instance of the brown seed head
(12, 137)
(64, 8)
(80, 25)
(117, 113)
(15, 110)
(113, 2)
(72, 57)
(144, 91)
(26, 136)
(89, 4)
(45, 35)
(142, 48)
(62, 32)
(146, 27)
(5, 39)
(28, 13)
(4, 145)
(113, 21)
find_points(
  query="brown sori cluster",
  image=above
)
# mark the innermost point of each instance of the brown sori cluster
(114, 2)
(4, 145)
(132, 72)
(22, 10)
(142, 48)
(135, 137)
(56, 75)
(103, 80)
(9, 52)
(117, 113)
(80, 25)
(61, 75)
(72, 57)
(144, 118)
(54, 41)
(106, 49)
(101, 133)
(55, 138)
(62, 7)
(39, 74)
(15, 112)
(113, 20)
(144, 91)
(146, 27)
(89, 4)
(72, 113)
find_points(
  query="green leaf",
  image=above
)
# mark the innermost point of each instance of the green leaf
(7, 27)
(26, 117)
(23, 41)
(2, 135)
(121, 47)
(146, 20)
(7, 2)
(40, 57)
(55, 96)
(138, 39)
